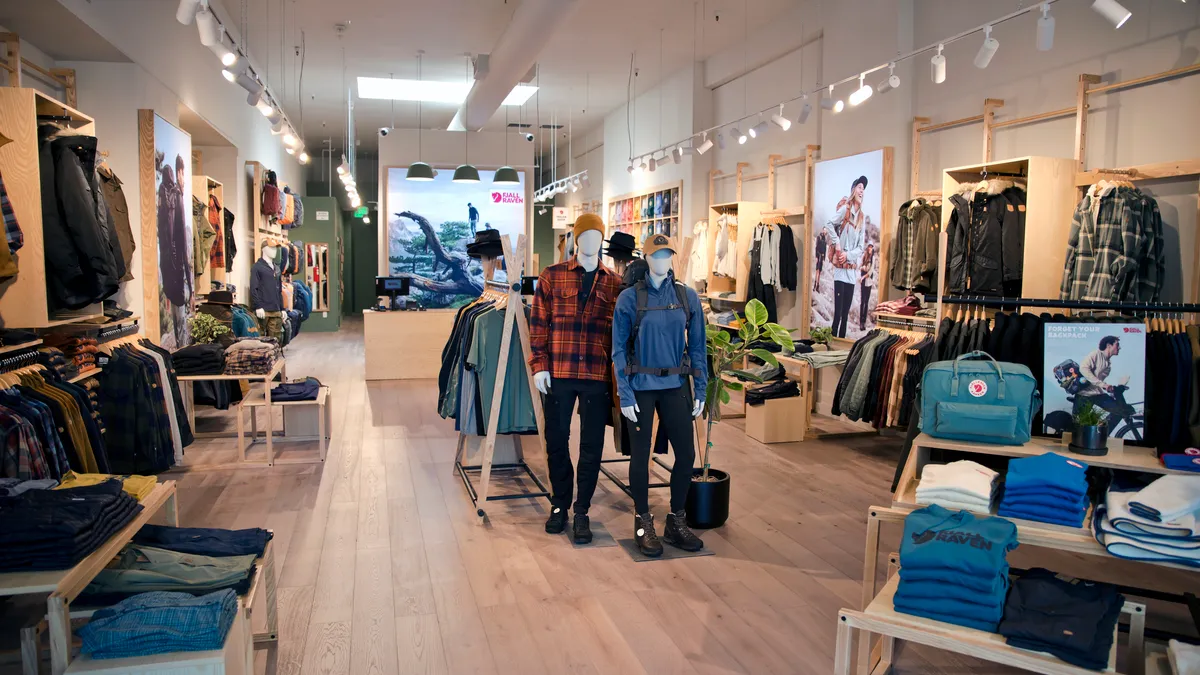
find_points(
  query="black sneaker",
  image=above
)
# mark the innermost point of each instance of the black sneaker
(557, 522)
(678, 534)
(581, 529)
(643, 534)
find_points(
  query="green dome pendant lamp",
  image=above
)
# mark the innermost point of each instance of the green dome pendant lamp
(420, 171)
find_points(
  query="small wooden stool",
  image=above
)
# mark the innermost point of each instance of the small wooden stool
(257, 399)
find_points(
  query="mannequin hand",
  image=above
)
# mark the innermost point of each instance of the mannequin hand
(260, 313)
(541, 380)
(697, 408)
(630, 412)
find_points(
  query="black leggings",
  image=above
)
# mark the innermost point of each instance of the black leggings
(674, 407)
(863, 306)
(843, 297)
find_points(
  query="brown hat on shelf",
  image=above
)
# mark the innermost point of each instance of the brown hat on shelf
(655, 243)
(588, 221)
(219, 298)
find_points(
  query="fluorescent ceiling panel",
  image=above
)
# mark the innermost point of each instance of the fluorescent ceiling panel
(431, 91)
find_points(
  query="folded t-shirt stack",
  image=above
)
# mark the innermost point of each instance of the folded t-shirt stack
(962, 485)
(954, 567)
(55, 529)
(1188, 460)
(199, 360)
(779, 389)
(251, 356)
(52, 357)
(81, 350)
(138, 487)
(209, 541)
(1048, 488)
(160, 623)
(142, 569)
(1072, 619)
(300, 390)
(1126, 532)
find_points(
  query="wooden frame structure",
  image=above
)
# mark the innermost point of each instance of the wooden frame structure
(748, 215)
(204, 185)
(264, 229)
(514, 316)
(24, 299)
(771, 175)
(1083, 90)
(12, 61)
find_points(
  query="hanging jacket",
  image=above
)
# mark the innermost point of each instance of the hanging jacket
(230, 240)
(83, 258)
(928, 225)
(986, 241)
(118, 209)
(272, 200)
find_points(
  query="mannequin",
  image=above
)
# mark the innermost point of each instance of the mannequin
(266, 293)
(571, 346)
(654, 356)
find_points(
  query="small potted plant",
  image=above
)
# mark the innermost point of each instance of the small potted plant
(206, 329)
(708, 498)
(1090, 436)
(821, 336)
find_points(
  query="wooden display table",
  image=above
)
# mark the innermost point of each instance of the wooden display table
(235, 658)
(403, 345)
(65, 585)
(259, 398)
(263, 380)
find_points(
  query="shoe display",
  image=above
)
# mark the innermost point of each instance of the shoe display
(557, 522)
(678, 534)
(644, 535)
(581, 529)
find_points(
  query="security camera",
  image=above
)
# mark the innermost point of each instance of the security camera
(383, 131)
(528, 136)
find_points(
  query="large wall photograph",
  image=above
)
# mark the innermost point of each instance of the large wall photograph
(848, 199)
(430, 224)
(173, 216)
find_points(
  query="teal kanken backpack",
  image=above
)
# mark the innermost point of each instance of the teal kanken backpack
(979, 400)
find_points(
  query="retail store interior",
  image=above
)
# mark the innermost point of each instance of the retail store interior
(568, 336)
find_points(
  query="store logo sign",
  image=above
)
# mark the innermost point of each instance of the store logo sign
(1129, 329)
(507, 198)
(977, 388)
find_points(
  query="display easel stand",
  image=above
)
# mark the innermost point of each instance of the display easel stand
(514, 314)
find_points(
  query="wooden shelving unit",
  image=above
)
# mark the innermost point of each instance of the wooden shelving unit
(21, 347)
(202, 187)
(24, 299)
(656, 210)
(748, 215)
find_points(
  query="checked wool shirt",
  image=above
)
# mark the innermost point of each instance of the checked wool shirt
(1115, 248)
(564, 341)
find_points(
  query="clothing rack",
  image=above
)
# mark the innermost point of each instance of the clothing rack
(11, 362)
(508, 295)
(1143, 307)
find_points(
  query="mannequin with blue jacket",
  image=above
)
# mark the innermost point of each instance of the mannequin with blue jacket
(654, 357)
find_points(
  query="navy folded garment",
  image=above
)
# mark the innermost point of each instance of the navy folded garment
(1069, 618)
(957, 543)
(1043, 515)
(304, 390)
(214, 542)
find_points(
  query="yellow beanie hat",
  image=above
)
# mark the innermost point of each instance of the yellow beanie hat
(588, 221)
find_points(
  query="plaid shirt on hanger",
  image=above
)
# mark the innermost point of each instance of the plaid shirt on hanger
(565, 341)
(12, 229)
(1102, 237)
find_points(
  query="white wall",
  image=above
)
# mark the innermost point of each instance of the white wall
(29, 78)
(445, 150)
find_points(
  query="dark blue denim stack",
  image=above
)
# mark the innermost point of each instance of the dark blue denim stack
(160, 623)
(301, 390)
(1072, 619)
(55, 529)
(208, 541)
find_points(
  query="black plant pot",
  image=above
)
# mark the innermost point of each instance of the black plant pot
(708, 501)
(1090, 440)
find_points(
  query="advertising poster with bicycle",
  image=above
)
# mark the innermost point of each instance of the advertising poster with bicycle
(1100, 364)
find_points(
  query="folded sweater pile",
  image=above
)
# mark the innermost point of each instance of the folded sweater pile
(1048, 488)
(199, 360)
(1123, 526)
(1070, 618)
(962, 485)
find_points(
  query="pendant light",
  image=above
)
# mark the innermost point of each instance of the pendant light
(506, 175)
(466, 173)
(419, 171)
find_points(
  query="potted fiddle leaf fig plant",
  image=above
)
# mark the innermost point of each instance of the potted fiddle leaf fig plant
(708, 498)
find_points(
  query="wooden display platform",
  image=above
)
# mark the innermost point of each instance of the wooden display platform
(235, 658)
(880, 617)
(258, 398)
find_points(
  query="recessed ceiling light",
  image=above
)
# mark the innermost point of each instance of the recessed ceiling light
(430, 91)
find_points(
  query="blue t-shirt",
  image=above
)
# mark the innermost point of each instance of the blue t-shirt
(958, 542)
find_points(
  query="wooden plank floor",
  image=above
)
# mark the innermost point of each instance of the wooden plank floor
(384, 569)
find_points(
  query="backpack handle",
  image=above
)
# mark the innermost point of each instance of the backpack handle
(974, 355)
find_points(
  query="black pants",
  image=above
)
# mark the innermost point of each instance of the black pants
(863, 305)
(674, 407)
(593, 411)
(843, 297)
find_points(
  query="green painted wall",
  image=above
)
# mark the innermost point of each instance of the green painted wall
(543, 236)
(329, 232)
(362, 263)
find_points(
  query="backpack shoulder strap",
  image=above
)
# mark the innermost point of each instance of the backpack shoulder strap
(681, 294)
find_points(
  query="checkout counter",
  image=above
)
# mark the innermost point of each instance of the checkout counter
(403, 344)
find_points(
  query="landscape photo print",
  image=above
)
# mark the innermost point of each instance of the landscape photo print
(431, 223)
(848, 208)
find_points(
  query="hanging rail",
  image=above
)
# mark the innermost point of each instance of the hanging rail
(1145, 307)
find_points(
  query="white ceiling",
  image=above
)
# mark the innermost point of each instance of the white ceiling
(584, 69)
(56, 31)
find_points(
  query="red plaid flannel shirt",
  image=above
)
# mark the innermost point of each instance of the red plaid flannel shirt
(563, 341)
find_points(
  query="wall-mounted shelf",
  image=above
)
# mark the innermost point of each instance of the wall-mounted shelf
(656, 210)
(21, 347)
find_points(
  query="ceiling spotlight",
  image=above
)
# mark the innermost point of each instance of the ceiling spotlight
(863, 92)
(227, 57)
(805, 111)
(705, 146)
(652, 165)
(356, 202)
(290, 151)
(303, 157)
(1113, 11)
(587, 182)
(937, 66)
(829, 103)
(988, 49)
(207, 26)
(366, 220)
(891, 82)
(343, 168)
(758, 129)
(578, 182)
(290, 139)
(1045, 29)
(720, 140)
(187, 11)
(264, 106)
(781, 121)
(679, 154)
(737, 133)
(643, 165)
(629, 169)
(228, 75)
(574, 187)
(667, 158)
